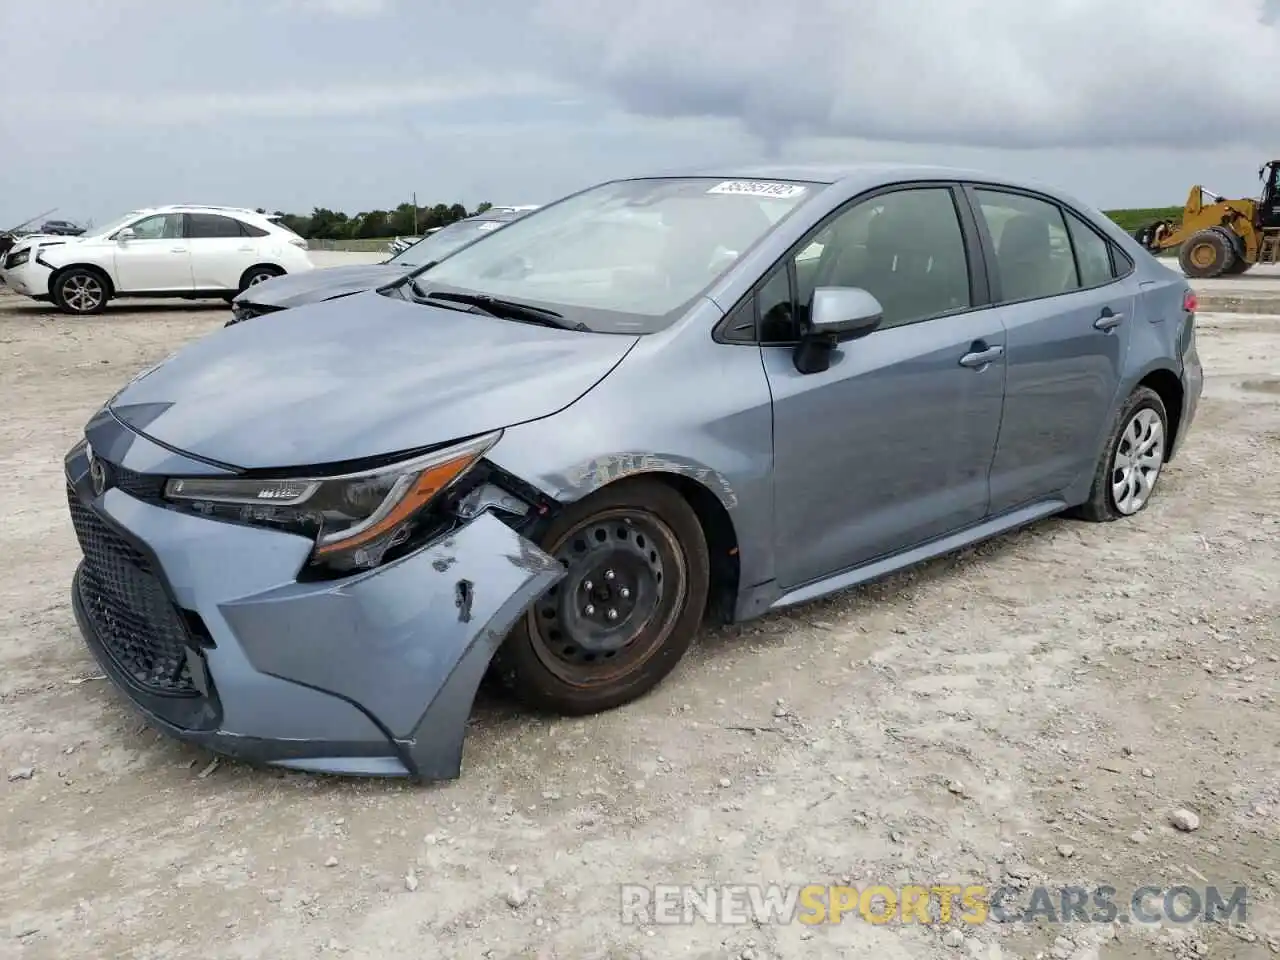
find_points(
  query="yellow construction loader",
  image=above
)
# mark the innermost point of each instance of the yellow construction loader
(1217, 236)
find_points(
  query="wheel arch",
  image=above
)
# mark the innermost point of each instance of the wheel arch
(1168, 386)
(710, 497)
(100, 271)
(263, 265)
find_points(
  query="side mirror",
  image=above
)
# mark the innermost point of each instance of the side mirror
(125, 235)
(836, 315)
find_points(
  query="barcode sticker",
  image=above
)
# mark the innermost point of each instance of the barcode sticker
(759, 188)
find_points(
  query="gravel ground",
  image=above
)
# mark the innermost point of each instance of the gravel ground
(1031, 711)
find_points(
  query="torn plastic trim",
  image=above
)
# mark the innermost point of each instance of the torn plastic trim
(408, 642)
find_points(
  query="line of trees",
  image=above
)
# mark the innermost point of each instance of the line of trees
(325, 224)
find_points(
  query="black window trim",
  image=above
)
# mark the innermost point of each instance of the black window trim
(970, 189)
(980, 293)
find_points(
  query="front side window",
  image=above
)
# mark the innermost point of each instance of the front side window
(1033, 252)
(623, 257)
(905, 247)
(162, 226)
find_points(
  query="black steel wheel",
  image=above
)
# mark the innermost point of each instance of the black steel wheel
(627, 609)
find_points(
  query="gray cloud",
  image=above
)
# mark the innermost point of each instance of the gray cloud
(1004, 73)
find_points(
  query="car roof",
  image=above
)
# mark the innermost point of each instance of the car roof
(864, 175)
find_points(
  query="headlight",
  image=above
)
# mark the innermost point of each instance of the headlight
(355, 518)
(19, 258)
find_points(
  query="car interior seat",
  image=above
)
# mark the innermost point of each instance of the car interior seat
(1026, 262)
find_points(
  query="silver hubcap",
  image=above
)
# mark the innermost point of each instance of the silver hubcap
(258, 278)
(1138, 460)
(82, 293)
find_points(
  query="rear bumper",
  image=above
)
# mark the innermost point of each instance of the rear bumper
(372, 675)
(1192, 388)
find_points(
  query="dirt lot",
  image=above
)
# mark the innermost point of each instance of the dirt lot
(1028, 712)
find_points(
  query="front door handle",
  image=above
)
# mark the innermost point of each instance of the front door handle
(1108, 320)
(980, 358)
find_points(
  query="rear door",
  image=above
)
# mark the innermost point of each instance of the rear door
(156, 259)
(221, 250)
(1068, 319)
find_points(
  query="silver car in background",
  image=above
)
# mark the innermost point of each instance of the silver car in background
(554, 454)
(329, 283)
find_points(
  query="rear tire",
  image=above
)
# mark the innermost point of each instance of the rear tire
(81, 291)
(1131, 462)
(627, 610)
(1208, 253)
(256, 275)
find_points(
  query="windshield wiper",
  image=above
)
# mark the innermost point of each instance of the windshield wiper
(510, 309)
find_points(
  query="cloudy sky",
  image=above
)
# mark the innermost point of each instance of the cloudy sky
(354, 104)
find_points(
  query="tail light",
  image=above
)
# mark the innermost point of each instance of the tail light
(1190, 302)
(298, 242)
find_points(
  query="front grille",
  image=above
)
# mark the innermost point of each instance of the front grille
(127, 604)
(143, 486)
(247, 311)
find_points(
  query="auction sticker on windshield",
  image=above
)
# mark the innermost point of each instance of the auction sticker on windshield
(759, 188)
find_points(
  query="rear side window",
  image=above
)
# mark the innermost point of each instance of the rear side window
(205, 225)
(249, 230)
(1092, 253)
(1033, 249)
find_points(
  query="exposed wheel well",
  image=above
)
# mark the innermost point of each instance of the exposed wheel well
(722, 540)
(91, 267)
(1169, 387)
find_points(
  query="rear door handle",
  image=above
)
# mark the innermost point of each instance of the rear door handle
(980, 358)
(1108, 320)
(177, 249)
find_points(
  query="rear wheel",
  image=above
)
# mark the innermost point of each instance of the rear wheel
(256, 275)
(1132, 460)
(635, 586)
(1208, 253)
(81, 291)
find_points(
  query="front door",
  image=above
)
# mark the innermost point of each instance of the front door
(892, 445)
(156, 258)
(1069, 319)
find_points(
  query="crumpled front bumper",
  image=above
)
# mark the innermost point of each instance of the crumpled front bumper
(374, 674)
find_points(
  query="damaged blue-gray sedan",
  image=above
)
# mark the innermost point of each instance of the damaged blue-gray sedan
(554, 454)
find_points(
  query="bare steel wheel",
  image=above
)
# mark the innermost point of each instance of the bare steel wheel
(1132, 460)
(627, 609)
(80, 291)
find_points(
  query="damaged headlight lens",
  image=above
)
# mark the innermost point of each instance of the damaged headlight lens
(355, 518)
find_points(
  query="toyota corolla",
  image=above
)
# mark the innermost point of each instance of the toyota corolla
(554, 454)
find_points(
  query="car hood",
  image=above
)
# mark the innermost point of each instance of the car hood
(361, 377)
(313, 286)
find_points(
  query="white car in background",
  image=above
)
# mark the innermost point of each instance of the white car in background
(179, 250)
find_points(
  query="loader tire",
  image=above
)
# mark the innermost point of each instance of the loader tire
(1209, 253)
(1240, 266)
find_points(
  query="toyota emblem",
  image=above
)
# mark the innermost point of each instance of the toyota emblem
(97, 472)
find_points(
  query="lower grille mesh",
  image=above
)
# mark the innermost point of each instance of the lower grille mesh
(131, 612)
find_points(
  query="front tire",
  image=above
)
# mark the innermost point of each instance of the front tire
(1208, 253)
(81, 292)
(627, 610)
(1132, 460)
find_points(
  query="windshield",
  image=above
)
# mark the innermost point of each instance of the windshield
(114, 225)
(444, 241)
(623, 257)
